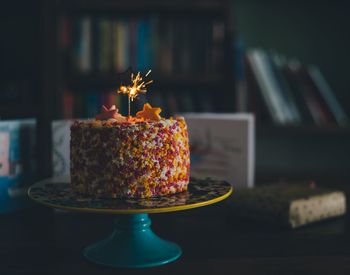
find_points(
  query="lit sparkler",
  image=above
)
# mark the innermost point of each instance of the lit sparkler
(137, 86)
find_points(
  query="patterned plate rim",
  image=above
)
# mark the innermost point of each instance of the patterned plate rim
(129, 211)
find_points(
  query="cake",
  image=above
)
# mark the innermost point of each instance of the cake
(129, 157)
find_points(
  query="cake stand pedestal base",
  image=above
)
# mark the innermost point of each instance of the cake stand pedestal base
(132, 244)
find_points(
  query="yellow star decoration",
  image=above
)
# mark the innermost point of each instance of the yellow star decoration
(149, 113)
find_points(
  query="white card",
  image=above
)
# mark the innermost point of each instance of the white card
(61, 147)
(222, 147)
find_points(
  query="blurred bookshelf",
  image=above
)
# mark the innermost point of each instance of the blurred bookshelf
(185, 43)
(302, 126)
(268, 34)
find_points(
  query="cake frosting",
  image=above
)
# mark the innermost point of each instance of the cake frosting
(120, 157)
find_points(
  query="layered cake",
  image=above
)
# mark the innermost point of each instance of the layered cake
(144, 156)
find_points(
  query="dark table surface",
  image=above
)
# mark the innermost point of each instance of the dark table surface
(42, 241)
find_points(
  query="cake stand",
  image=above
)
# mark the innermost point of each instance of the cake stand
(132, 243)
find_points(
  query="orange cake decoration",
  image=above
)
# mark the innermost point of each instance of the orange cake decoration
(142, 156)
(149, 113)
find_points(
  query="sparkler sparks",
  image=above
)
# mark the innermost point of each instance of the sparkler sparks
(137, 86)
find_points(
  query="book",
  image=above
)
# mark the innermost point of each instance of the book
(105, 45)
(143, 45)
(291, 204)
(328, 95)
(309, 95)
(255, 100)
(85, 62)
(121, 44)
(222, 147)
(278, 62)
(292, 79)
(125, 46)
(269, 87)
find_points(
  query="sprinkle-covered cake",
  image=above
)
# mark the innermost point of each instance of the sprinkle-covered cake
(130, 157)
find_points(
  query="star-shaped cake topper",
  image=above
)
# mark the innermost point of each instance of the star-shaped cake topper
(112, 112)
(149, 112)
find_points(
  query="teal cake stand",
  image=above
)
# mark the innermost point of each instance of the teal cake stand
(132, 243)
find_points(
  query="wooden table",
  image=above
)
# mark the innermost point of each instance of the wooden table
(44, 241)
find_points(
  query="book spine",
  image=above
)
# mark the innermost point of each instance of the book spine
(291, 76)
(86, 41)
(143, 45)
(327, 115)
(96, 47)
(277, 63)
(105, 63)
(278, 90)
(267, 86)
(328, 96)
(133, 42)
(308, 95)
(115, 45)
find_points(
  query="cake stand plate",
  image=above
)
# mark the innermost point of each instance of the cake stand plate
(132, 243)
